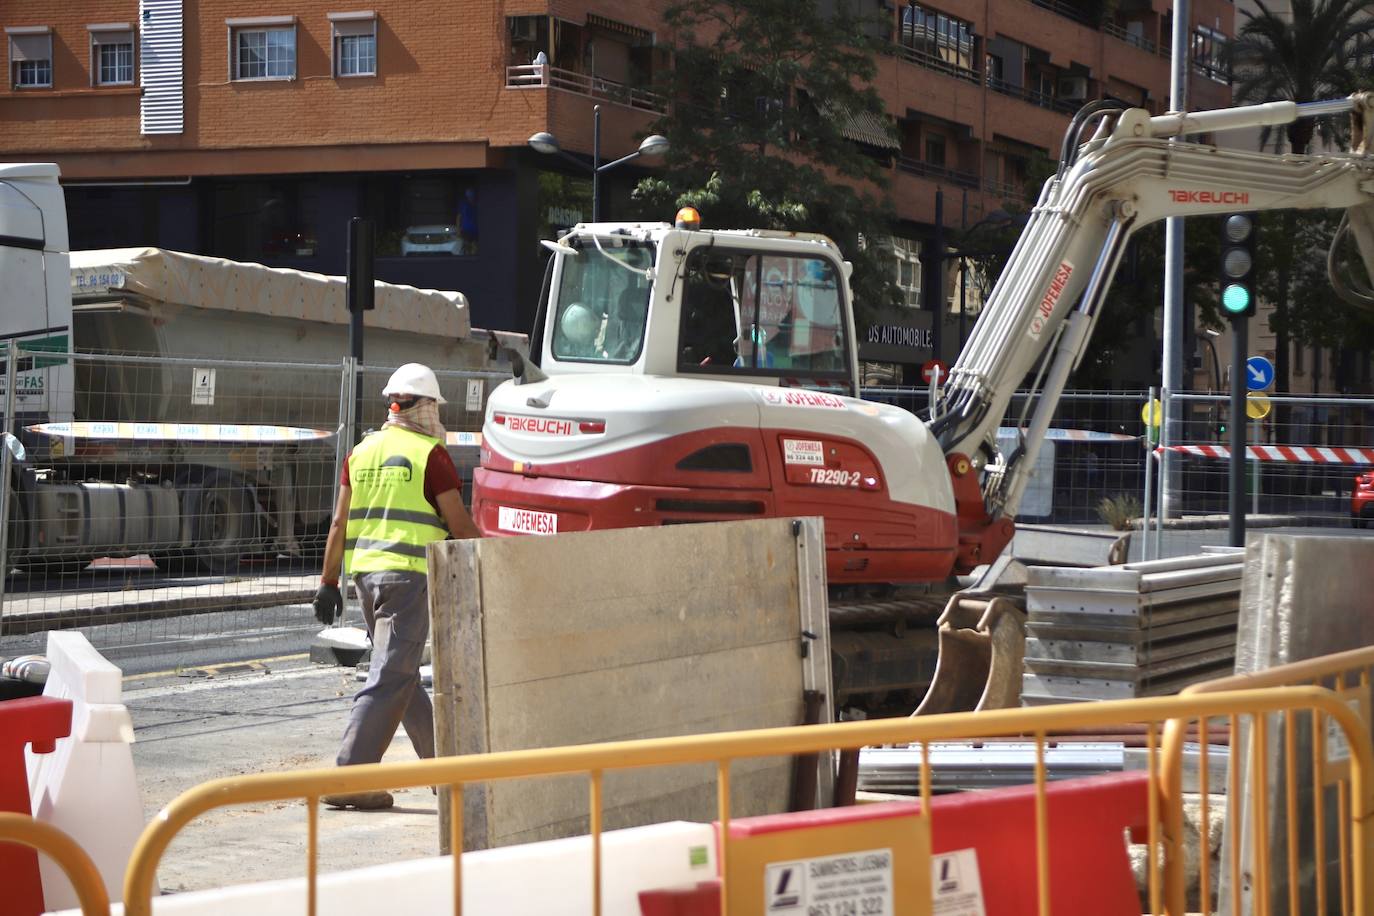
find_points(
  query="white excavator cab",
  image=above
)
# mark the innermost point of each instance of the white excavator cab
(763, 307)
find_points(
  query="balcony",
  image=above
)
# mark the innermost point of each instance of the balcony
(1135, 41)
(928, 61)
(1067, 10)
(1063, 106)
(938, 172)
(543, 76)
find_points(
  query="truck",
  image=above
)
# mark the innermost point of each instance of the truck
(134, 429)
(685, 375)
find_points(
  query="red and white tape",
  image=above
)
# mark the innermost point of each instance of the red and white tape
(1306, 454)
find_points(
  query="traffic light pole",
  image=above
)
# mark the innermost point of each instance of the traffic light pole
(1240, 335)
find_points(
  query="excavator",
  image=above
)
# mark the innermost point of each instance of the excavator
(682, 375)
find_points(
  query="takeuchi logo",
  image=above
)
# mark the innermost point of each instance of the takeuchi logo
(1230, 198)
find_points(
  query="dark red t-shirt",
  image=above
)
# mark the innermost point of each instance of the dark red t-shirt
(440, 476)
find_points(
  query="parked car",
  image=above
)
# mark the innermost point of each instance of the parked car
(431, 240)
(1362, 500)
(290, 245)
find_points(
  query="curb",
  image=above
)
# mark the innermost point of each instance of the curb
(100, 615)
(1221, 522)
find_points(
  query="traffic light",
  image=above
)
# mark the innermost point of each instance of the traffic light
(1238, 265)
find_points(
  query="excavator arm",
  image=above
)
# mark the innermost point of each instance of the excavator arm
(1133, 170)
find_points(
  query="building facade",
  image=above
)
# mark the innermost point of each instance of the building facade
(254, 129)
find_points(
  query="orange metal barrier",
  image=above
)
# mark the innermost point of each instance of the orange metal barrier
(62, 849)
(595, 760)
(1347, 675)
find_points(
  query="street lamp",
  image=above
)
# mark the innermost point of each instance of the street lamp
(547, 143)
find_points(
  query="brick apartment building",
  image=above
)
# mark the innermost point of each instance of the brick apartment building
(253, 129)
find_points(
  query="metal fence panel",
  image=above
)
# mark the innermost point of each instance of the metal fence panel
(169, 506)
(1306, 453)
(165, 502)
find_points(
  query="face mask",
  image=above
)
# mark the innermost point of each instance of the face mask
(422, 417)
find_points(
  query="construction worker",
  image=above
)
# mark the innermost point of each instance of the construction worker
(398, 492)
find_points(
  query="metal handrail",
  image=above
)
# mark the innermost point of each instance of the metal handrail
(1066, 10)
(927, 170)
(62, 849)
(1138, 41)
(1029, 95)
(723, 748)
(1006, 189)
(928, 61)
(544, 76)
(1310, 673)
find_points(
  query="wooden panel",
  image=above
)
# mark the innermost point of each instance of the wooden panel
(613, 635)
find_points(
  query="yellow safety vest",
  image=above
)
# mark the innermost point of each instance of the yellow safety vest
(389, 519)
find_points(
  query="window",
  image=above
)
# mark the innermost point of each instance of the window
(112, 54)
(935, 151)
(762, 314)
(355, 43)
(425, 215)
(907, 253)
(1209, 54)
(994, 68)
(30, 57)
(940, 36)
(603, 302)
(263, 49)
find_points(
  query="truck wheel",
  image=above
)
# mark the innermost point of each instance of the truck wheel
(223, 525)
(173, 562)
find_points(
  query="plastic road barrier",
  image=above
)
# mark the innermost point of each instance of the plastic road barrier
(36, 722)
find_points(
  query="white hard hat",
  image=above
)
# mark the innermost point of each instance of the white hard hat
(414, 379)
(579, 324)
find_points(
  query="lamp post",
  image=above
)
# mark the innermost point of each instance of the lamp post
(547, 143)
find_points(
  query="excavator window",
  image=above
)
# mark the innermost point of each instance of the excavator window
(756, 313)
(603, 303)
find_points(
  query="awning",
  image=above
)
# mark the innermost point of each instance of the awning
(863, 127)
(641, 36)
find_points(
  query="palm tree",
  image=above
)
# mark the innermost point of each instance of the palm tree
(1303, 57)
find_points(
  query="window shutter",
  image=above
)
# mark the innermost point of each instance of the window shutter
(120, 34)
(30, 47)
(355, 27)
(160, 50)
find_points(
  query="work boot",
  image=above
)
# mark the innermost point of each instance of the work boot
(363, 801)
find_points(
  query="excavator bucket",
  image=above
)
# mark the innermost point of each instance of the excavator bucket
(982, 647)
(982, 634)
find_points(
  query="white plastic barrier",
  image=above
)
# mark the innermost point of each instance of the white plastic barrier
(87, 787)
(552, 878)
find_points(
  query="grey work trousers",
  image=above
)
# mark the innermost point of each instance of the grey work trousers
(396, 607)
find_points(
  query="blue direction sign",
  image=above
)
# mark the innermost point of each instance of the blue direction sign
(1259, 373)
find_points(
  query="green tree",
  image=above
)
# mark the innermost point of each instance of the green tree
(763, 94)
(1303, 57)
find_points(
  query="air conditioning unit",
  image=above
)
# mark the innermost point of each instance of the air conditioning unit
(523, 28)
(1073, 88)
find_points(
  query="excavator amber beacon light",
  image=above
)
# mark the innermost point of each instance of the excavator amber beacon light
(687, 218)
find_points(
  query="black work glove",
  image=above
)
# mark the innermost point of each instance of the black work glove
(328, 604)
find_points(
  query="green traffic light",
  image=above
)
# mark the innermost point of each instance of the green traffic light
(1235, 299)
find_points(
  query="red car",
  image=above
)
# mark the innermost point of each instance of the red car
(1362, 500)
